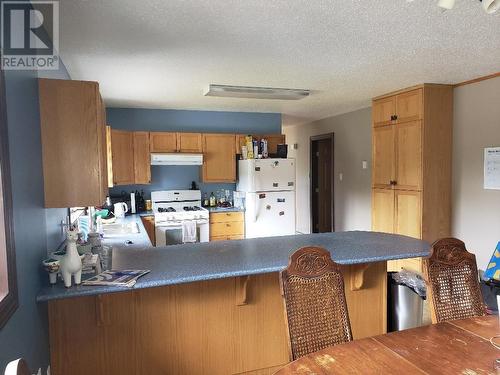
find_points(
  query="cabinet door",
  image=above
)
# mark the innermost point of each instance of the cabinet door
(408, 213)
(383, 110)
(142, 160)
(73, 143)
(219, 160)
(149, 225)
(109, 154)
(189, 142)
(163, 142)
(383, 156)
(383, 210)
(409, 106)
(122, 144)
(409, 156)
(273, 141)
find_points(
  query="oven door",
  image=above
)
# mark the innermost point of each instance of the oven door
(172, 234)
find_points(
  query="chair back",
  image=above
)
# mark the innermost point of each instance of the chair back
(316, 313)
(452, 281)
(17, 367)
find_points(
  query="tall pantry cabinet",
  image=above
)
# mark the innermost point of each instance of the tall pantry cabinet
(411, 175)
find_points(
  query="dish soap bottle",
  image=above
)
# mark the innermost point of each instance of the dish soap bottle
(213, 203)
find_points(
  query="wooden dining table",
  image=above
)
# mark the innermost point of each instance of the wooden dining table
(455, 347)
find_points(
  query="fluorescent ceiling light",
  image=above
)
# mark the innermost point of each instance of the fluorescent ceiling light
(256, 92)
(491, 6)
(446, 4)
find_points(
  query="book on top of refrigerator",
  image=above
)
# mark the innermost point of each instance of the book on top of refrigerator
(126, 278)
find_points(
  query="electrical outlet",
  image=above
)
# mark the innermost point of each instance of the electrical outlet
(341, 176)
(364, 164)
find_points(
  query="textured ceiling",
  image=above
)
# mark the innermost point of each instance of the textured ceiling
(164, 53)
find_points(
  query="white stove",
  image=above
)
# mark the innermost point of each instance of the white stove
(171, 208)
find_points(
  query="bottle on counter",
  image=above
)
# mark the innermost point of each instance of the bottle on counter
(206, 201)
(212, 202)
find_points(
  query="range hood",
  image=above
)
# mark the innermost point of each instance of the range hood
(176, 159)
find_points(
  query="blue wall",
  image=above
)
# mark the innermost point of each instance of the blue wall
(180, 177)
(35, 229)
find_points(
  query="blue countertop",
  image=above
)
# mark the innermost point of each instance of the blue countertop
(214, 260)
(222, 209)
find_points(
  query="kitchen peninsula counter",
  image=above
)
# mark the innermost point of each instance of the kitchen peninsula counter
(210, 308)
(214, 260)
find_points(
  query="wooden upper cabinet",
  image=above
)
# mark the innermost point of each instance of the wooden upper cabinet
(409, 106)
(142, 160)
(273, 140)
(109, 154)
(409, 156)
(72, 123)
(383, 210)
(383, 156)
(122, 145)
(219, 160)
(189, 142)
(383, 111)
(162, 142)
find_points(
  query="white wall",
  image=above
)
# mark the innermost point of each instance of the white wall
(352, 146)
(476, 125)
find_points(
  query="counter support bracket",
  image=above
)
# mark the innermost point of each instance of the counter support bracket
(357, 276)
(242, 290)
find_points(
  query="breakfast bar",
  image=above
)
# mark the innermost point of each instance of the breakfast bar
(211, 307)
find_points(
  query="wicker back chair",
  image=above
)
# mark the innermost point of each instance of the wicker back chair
(312, 287)
(453, 282)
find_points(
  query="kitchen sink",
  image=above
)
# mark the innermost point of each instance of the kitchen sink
(120, 229)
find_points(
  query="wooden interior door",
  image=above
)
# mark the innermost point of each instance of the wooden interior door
(322, 184)
(409, 155)
(383, 110)
(409, 106)
(142, 159)
(189, 142)
(219, 158)
(383, 156)
(383, 210)
(122, 144)
(408, 213)
(163, 142)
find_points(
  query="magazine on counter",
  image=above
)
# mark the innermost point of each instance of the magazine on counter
(126, 278)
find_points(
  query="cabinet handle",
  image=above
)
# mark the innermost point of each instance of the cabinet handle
(393, 182)
(392, 117)
(228, 225)
(395, 117)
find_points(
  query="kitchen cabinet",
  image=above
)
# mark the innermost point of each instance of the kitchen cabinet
(189, 142)
(411, 176)
(109, 156)
(149, 225)
(227, 226)
(131, 160)
(142, 159)
(219, 158)
(163, 141)
(73, 133)
(273, 140)
(122, 146)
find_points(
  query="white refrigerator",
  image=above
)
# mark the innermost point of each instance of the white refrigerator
(269, 187)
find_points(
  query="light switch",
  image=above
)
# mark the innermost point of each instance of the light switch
(364, 164)
(341, 176)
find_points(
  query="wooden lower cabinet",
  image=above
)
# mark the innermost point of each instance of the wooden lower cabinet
(149, 225)
(207, 327)
(227, 226)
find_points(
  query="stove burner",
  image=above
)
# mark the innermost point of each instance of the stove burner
(192, 208)
(168, 209)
